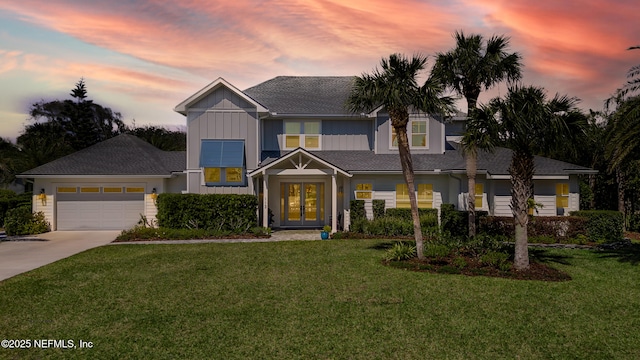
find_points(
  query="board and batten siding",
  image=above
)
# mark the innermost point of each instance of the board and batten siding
(221, 115)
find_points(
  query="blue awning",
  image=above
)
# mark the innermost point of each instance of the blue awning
(221, 153)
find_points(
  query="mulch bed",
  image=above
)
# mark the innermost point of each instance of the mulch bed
(536, 271)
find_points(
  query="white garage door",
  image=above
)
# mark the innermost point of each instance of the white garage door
(98, 207)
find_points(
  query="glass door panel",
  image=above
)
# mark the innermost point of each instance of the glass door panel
(310, 202)
(294, 203)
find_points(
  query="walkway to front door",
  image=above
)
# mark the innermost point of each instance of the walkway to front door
(303, 204)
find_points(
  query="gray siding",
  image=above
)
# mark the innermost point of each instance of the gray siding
(434, 133)
(342, 134)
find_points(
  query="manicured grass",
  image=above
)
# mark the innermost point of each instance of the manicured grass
(316, 300)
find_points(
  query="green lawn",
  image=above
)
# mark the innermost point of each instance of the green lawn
(316, 300)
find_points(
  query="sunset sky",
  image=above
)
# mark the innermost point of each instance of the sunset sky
(142, 58)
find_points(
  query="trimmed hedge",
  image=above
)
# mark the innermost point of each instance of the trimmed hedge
(394, 226)
(456, 222)
(357, 210)
(218, 212)
(378, 208)
(406, 213)
(603, 226)
(546, 229)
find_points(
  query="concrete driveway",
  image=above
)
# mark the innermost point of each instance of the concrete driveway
(17, 257)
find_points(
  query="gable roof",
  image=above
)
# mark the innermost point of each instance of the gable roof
(282, 159)
(213, 86)
(124, 155)
(304, 95)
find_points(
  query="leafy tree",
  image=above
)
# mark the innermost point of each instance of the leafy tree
(473, 65)
(81, 123)
(528, 123)
(8, 155)
(395, 86)
(161, 138)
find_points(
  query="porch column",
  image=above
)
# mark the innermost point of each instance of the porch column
(334, 202)
(265, 199)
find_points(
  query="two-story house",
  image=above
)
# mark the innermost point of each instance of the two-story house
(291, 142)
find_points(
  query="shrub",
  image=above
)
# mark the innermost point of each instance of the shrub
(21, 221)
(400, 251)
(436, 251)
(219, 212)
(559, 228)
(10, 200)
(260, 231)
(357, 210)
(378, 208)
(456, 222)
(496, 259)
(148, 233)
(603, 226)
(406, 213)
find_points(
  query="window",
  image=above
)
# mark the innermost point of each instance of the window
(305, 134)
(364, 191)
(223, 162)
(134, 190)
(425, 196)
(64, 189)
(402, 196)
(416, 133)
(90, 189)
(479, 195)
(562, 195)
(111, 189)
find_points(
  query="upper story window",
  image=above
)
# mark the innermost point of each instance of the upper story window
(416, 133)
(302, 133)
(223, 162)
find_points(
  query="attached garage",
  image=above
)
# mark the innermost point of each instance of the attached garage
(107, 186)
(99, 207)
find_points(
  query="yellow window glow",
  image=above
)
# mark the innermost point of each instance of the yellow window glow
(211, 175)
(90, 189)
(135, 190)
(292, 141)
(233, 174)
(479, 194)
(402, 196)
(425, 196)
(63, 189)
(112, 189)
(311, 141)
(366, 187)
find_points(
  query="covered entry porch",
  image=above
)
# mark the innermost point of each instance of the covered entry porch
(300, 190)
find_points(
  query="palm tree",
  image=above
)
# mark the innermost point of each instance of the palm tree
(473, 65)
(395, 87)
(529, 124)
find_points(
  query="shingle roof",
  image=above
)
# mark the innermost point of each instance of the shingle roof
(496, 163)
(325, 95)
(122, 155)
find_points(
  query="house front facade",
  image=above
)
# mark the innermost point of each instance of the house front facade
(291, 142)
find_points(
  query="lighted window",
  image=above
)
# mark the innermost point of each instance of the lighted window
(402, 196)
(363, 191)
(419, 133)
(304, 134)
(90, 189)
(134, 189)
(425, 196)
(63, 189)
(112, 189)
(233, 175)
(562, 195)
(211, 175)
(222, 162)
(479, 195)
(416, 133)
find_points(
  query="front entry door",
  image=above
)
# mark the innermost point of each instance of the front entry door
(302, 204)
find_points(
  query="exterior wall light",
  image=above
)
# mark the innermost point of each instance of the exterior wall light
(154, 194)
(42, 197)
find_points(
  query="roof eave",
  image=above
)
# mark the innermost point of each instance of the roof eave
(181, 108)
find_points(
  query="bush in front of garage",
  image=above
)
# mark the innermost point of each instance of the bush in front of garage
(235, 214)
(10, 200)
(22, 221)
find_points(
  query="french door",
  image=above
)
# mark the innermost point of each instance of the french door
(303, 205)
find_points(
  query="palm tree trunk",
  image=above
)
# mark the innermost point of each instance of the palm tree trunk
(407, 171)
(521, 171)
(622, 187)
(472, 169)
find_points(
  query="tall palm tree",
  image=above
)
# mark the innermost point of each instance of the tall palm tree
(395, 86)
(529, 124)
(473, 65)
